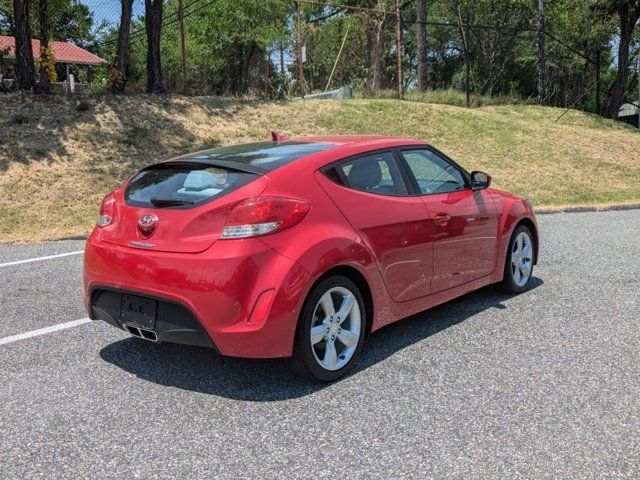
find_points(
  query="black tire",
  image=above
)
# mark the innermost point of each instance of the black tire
(304, 361)
(509, 283)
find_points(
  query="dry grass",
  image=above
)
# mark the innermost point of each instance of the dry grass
(57, 164)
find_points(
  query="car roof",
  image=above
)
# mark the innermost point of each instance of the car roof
(264, 157)
(349, 139)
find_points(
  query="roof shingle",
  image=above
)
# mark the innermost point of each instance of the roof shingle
(63, 52)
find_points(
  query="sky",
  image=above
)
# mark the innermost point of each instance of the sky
(109, 10)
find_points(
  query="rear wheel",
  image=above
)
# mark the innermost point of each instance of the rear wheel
(330, 331)
(518, 266)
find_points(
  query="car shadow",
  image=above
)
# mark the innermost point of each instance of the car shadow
(204, 371)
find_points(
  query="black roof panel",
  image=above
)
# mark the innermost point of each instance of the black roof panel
(258, 157)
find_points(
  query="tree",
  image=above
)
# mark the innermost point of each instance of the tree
(118, 78)
(421, 30)
(71, 22)
(6, 17)
(628, 12)
(226, 45)
(25, 69)
(376, 50)
(44, 85)
(153, 23)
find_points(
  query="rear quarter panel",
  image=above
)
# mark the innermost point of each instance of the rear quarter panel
(324, 239)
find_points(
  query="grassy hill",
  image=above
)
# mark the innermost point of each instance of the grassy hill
(58, 158)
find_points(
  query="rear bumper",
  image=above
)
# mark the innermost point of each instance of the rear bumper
(173, 323)
(207, 298)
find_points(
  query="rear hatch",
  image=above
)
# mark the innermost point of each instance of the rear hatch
(178, 206)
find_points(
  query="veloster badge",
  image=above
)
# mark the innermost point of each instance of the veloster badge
(135, 243)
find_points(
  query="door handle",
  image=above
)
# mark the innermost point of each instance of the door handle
(442, 220)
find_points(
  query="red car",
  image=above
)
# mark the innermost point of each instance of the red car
(300, 247)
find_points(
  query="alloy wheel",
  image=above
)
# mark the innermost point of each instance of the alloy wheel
(521, 259)
(336, 328)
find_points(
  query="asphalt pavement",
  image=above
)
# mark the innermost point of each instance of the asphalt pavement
(545, 384)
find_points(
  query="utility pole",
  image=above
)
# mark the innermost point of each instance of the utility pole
(468, 60)
(598, 86)
(299, 48)
(638, 100)
(182, 46)
(399, 49)
(266, 73)
(421, 30)
(541, 61)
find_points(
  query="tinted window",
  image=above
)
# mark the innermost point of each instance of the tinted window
(268, 155)
(182, 185)
(375, 173)
(433, 173)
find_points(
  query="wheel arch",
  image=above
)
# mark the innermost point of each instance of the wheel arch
(534, 231)
(359, 279)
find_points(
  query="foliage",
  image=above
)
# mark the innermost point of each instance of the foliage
(71, 20)
(226, 44)
(6, 16)
(236, 46)
(47, 60)
(115, 79)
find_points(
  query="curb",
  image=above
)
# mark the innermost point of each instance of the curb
(580, 209)
(64, 239)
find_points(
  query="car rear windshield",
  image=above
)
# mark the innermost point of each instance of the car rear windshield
(182, 185)
(267, 155)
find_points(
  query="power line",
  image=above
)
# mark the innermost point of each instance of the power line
(166, 22)
(346, 7)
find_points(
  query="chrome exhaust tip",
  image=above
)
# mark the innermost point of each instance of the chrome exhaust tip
(141, 333)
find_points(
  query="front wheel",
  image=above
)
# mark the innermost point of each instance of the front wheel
(331, 330)
(519, 262)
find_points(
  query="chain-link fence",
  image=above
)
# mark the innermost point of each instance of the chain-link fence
(284, 48)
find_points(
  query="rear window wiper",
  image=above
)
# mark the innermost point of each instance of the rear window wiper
(169, 202)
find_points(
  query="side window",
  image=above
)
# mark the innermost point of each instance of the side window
(433, 173)
(375, 173)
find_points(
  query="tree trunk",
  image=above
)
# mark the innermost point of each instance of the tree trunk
(421, 10)
(629, 13)
(44, 85)
(25, 69)
(244, 84)
(153, 23)
(122, 49)
(281, 48)
(375, 40)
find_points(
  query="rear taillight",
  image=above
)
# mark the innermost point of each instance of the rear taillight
(106, 211)
(262, 215)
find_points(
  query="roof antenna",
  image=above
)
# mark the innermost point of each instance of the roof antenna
(278, 137)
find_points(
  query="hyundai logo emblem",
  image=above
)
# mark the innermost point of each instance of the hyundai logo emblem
(147, 224)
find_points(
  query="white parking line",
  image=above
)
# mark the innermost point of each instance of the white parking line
(43, 331)
(37, 259)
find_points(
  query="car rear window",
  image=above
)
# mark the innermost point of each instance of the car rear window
(182, 185)
(268, 155)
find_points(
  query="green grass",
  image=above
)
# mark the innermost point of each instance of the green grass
(55, 168)
(446, 96)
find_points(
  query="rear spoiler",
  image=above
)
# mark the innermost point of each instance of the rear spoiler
(228, 164)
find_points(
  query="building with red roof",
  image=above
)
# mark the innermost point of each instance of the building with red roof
(63, 52)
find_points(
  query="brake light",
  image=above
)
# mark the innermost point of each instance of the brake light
(263, 215)
(106, 211)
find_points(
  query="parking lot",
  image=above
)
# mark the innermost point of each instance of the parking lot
(542, 385)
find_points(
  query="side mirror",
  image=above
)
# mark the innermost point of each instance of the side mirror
(480, 180)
